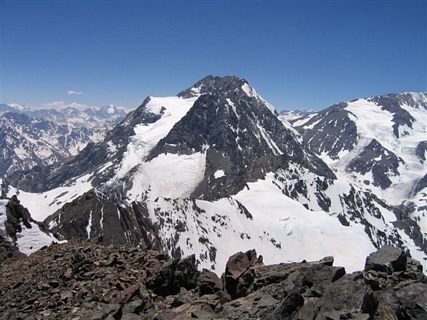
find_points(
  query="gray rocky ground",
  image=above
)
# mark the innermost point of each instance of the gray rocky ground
(87, 280)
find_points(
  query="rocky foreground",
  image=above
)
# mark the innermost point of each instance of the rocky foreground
(86, 280)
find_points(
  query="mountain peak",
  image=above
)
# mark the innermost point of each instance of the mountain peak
(227, 86)
(213, 84)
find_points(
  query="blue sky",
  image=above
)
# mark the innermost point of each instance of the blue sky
(297, 54)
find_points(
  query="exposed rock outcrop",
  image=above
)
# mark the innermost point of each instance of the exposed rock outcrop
(16, 215)
(86, 280)
(8, 251)
(380, 161)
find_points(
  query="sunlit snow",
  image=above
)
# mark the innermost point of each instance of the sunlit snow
(171, 109)
(41, 205)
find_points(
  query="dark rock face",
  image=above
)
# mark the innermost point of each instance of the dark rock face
(406, 223)
(16, 214)
(240, 135)
(349, 295)
(93, 216)
(420, 184)
(289, 306)
(8, 251)
(421, 150)
(331, 131)
(91, 281)
(392, 103)
(213, 85)
(209, 282)
(377, 159)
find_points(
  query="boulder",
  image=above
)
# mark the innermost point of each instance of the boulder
(180, 273)
(387, 259)
(348, 295)
(238, 276)
(208, 282)
(329, 261)
(127, 294)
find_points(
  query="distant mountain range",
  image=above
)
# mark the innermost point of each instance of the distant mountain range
(215, 170)
(30, 137)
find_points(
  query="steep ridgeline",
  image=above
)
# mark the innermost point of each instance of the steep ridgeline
(210, 172)
(380, 145)
(31, 137)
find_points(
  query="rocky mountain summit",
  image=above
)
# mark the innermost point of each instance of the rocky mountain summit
(86, 280)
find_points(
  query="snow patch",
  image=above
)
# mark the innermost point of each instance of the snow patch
(89, 225)
(219, 173)
(169, 175)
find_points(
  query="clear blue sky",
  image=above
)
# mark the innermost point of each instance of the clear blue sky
(306, 54)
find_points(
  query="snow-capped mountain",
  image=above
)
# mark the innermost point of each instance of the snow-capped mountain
(42, 137)
(380, 145)
(211, 171)
(102, 118)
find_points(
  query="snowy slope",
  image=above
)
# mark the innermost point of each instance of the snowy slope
(43, 204)
(279, 228)
(147, 135)
(168, 175)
